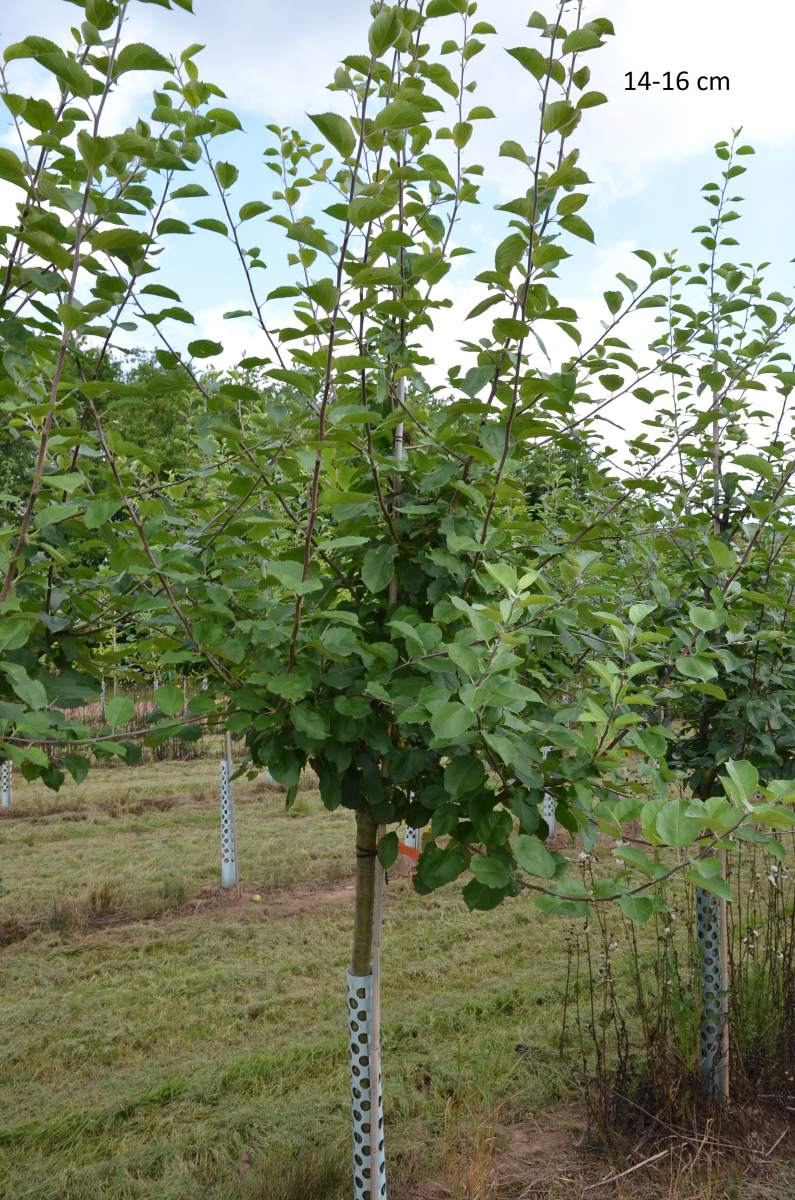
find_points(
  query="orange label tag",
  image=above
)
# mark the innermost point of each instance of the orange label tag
(408, 851)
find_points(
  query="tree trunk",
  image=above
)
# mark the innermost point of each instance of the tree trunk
(366, 842)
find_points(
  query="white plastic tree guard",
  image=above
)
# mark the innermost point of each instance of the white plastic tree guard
(5, 784)
(548, 809)
(413, 838)
(228, 828)
(369, 1162)
(708, 933)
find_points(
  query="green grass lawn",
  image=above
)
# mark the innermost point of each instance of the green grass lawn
(203, 1053)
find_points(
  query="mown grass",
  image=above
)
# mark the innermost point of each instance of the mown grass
(149, 837)
(148, 1059)
(203, 1055)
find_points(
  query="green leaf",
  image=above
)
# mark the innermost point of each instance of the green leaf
(290, 687)
(254, 208)
(190, 191)
(227, 174)
(399, 114)
(140, 57)
(441, 865)
(111, 240)
(710, 883)
(100, 511)
(591, 100)
(336, 130)
(31, 691)
(310, 721)
(119, 710)
(204, 348)
(462, 132)
(636, 858)
(576, 225)
(513, 150)
(507, 329)
(308, 235)
(531, 59)
(557, 115)
(510, 252)
(451, 720)
(377, 567)
(463, 776)
(172, 225)
(384, 31)
(757, 464)
(744, 776)
(479, 898)
(533, 856)
(68, 481)
(637, 908)
(53, 59)
(325, 293)
(722, 555)
(491, 872)
(388, 850)
(696, 666)
(581, 39)
(11, 168)
(555, 906)
(675, 827)
(225, 118)
(706, 618)
(169, 699)
(639, 612)
(77, 766)
(213, 225)
(475, 380)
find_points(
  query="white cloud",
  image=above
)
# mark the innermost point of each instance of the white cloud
(240, 338)
(637, 133)
(274, 61)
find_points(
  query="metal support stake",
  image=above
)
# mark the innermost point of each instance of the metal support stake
(102, 698)
(5, 784)
(708, 933)
(228, 826)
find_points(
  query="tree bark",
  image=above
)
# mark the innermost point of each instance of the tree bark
(363, 924)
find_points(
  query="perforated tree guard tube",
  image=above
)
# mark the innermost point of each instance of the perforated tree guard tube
(548, 806)
(413, 838)
(228, 831)
(5, 785)
(367, 1104)
(548, 809)
(708, 932)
